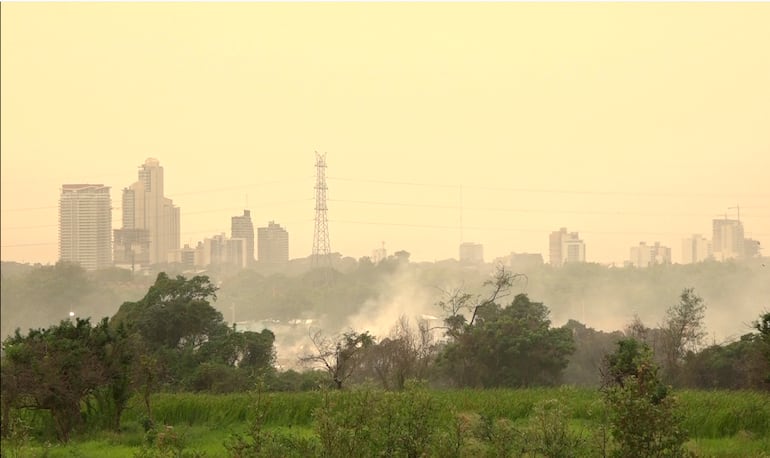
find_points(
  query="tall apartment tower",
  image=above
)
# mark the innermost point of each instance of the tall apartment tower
(647, 255)
(85, 225)
(564, 247)
(272, 244)
(150, 220)
(695, 249)
(728, 239)
(241, 227)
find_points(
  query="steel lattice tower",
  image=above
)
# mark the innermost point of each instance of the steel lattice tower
(321, 250)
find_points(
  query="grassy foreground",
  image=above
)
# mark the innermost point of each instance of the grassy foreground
(720, 423)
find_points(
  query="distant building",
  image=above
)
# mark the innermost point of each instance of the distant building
(728, 239)
(647, 255)
(150, 220)
(85, 225)
(184, 256)
(696, 249)
(565, 247)
(521, 261)
(242, 228)
(187, 256)
(471, 253)
(272, 244)
(221, 251)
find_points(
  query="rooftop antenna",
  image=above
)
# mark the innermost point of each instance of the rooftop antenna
(737, 207)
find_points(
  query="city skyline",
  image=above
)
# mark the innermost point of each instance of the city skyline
(153, 164)
(490, 123)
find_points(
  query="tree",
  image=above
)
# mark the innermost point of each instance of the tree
(763, 326)
(683, 331)
(644, 419)
(591, 347)
(512, 346)
(173, 320)
(340, 357)
(231, 361)
(405, 354)
(174, 313)
(54, 369)
(459, 302)
(119, 353)
(739, 365)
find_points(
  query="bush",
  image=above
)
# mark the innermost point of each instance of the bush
(550, 434)
(643, 415)
(368, 423)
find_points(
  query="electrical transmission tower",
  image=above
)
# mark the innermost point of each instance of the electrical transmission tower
(321, 252)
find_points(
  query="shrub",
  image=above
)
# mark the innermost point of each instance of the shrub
(376, 423)
(643, 415)
(550, 434)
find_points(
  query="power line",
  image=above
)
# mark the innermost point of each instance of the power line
(29, 244)
(545, 190)
(24, 209)
(510, 229)
(235, 187)
(527, 210)
(28, 227)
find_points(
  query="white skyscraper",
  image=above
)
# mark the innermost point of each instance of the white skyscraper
(242, 227)
(272, 244)
(695, 249)
(565, 247)
(728, 239)
(647, 255)
(150, 220)
(85, 225)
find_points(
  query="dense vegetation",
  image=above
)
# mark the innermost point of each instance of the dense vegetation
(728, 424)
(604, 298)
(75, 378)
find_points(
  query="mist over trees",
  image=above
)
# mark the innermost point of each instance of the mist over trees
(595, 303)
(174, 339)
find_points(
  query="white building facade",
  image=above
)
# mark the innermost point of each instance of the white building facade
(85, 225)
(151, 223)
(696, 249)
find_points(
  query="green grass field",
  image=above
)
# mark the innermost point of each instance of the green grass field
(720, 423)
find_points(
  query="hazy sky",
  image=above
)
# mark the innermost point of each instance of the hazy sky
(625, 122)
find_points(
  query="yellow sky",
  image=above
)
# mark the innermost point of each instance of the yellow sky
(657, 115)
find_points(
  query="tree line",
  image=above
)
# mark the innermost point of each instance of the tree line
(174, 339)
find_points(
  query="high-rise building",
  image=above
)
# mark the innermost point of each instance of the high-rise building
(242, 228)
(564, 247)
(695, 249)
(219, 251)
(471, 253)
(85, 225)
(727, 239)
(647, 255)
(150, 220)
(272, 244)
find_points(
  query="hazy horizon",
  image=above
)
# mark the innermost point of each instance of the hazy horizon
(623, 122)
